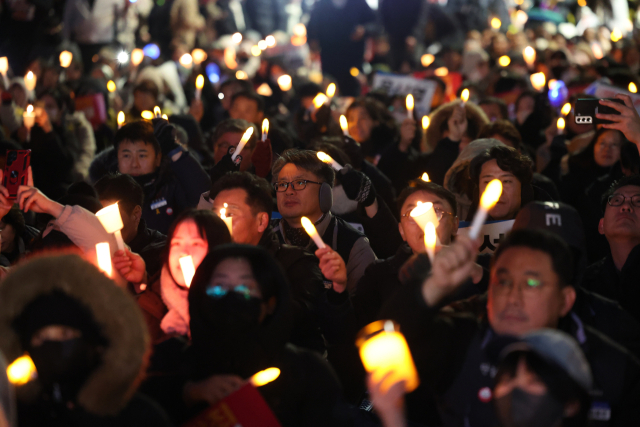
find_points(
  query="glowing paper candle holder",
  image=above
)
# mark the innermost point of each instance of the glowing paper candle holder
(199, 56)
(489, 198)
(312, 232)
(423, 214)
(430, 240)
(199, 86)
(410, 104)
(529, 55)
(264, 377)
(265, 129)
(188, 269)
(112, 222)
(28, 120)
(538, 80)
(120, 119)
(22, 370)
(325, 158)
(30, 81)
(103, 253)
(384, 350)
(560, 125)
(243, 141)
(227, 219)
(65, 58)
(344, 125)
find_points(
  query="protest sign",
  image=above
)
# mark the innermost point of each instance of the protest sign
(396, 84)
(492, 233)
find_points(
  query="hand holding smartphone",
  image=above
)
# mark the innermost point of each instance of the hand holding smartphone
(16, 171)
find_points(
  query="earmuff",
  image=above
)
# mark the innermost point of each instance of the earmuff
(326, 197)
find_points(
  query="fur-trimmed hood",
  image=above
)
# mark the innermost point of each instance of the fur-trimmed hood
(441, 114)
(111, 385)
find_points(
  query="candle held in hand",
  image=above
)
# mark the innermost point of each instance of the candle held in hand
(312, 232)
(188, 269)
(560, 125)
(265, 129)
(488, 200)
(30, 81)
(423, 214)
(464, 96)
(227, 219)
(199, 86)
(243, 141)
(430, 239)
(344, 125)
(112, 222)
(28, 120)
(264, 377)
(120, 119)
(103, 253)
(157, 112)
(325, 158)
(410, 105)
(21, 371)
(331, 90)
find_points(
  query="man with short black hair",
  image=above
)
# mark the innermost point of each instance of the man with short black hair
(248, 106)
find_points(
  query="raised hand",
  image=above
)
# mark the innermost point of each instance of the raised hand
(389, 403)
(458, 123)
(130, 265)
(30, 198)
(333, 268)
(628, 122)
(212, 390)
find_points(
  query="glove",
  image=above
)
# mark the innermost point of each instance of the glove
(415, 270)
(226, 165)
(165, 133)
(357, 186)
(262, 157)
(354, 151)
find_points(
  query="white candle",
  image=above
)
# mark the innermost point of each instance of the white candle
(112, 222)
(430, 238)
(188, 269)
(30, 81)
(318, 101)
(344, 125)
(331, 90)
(243, 141)
(120, 119)
(227, 219)
(312, 232)
(103, 252)
(325, 158)
(410, 105)
(265, 129)
(199, 86)
(488, 200)
(28, 120)
(560, 125)
(423, 214)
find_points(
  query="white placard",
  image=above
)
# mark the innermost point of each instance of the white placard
(492, 233)
(397, 84)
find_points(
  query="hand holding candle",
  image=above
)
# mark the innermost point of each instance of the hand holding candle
(265, 129)
(410, 105)
(312, 232)
(430, 238)
(488, 200)
(464, 96)
(199, 86)
(325, 158)
(188, 269)
(103, 253)
(243, 141)
(227, 219)
(112, 222)
(28, 120)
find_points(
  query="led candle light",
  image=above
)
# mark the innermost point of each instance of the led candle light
(325, 158)
(566, 109)
(4, 65)
(410, 105)
(199, 86)
(243, 141)
(28, 120)
(227, 219)
(120, 119)
(425, 177)
(264, 377)
(188, 270)
(560, 125)
(488, 200)
(312, 232)
(265, 129)
(319, 101)
(21, 371)
(424, 214)
(112, 222)
(430, 239)
(65, 58)
(157, 112)
(331, 90)
(529, 55)
(103, 252)
(137, 56)
(384, 350)
(30, 81)
(199, 56)
(344, 125)
(538, 81)
(464, 96)
(147, 115)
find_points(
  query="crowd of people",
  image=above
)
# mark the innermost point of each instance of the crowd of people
(201, 124)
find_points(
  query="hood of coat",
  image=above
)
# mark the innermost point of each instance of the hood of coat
(215, 349)
(442, 114)
(109, 387)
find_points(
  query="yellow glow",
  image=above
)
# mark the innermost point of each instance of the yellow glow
(4, 65)
(300, 30)
(200, 81)
(147, 115)
(241, 75)
(464, 95)
(560, 123)
(255, 50)
(425, 177)
(199, 56)
(441, 72)
(157, 112)
(188, 269)
(265, 126)
(227, 219)
(103, 252)
(137, 56)
(529, 55)
(165, 117)
(298, 41)
(504, 61)
(285, 82)
(410, 102)
(633, 88)
(29, 108)
(236, 38)
(230, 58)
(265, 90)
(354, 72)
(307, 224)
(271, 41)
(110, 218)
(427, 59)
(65, 58)
(566, 109)
(324, 157)
(319, 100)
(262, 44)
(344, 124)
(616, 35)
(22, 370)
(265, 377)
(582, 3)
(246, 136)
(424, 213)
(186, 60)
(120, 118)
(597, 50)
(111, 86)
(426, 121)
(538, 81)
(496, 23)
(521, 17)
(430, 239)
(331, 90)
(491, 194)
(30, 80)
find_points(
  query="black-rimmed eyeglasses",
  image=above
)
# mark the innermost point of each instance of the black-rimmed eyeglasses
(297, 185)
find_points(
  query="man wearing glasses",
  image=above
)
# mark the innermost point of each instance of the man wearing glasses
(303, 188)
(616, 275)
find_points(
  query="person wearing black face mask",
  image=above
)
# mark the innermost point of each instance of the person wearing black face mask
(239, 306)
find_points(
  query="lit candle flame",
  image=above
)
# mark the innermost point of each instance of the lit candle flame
(560, 123)
(616, 35)
(425, 177)
(4, 65)
(344, 124)
(265, 377)
(496, 23)
(200, 81)
(236, 38)
(120, 118)
(504, 61)
(265, 128)
(65, 58)
(111, 86)
(188, 269)
(491, 194)
(285, 83)
(137, 56)
(103, 253)
(312, 232)
(325, 158)
(464, 95)
(566, 109)
(441, 72)
(157, 112)
(147, 115)
(410, 102)
(426, 121)
(30, 81)
(186, 60)
(21, 371)
(427, 59)
(199, 56)
(243, 141)
(430, 240)
(633, 88)
(271, 41)
(29, 108)
(529, 55)
(331, 90)
(538, 80)
(319, 100)
(165, 117)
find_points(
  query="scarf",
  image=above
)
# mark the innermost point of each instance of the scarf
(175, 298)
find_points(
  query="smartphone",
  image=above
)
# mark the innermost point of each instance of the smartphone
(586, 110)
(16, 171)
